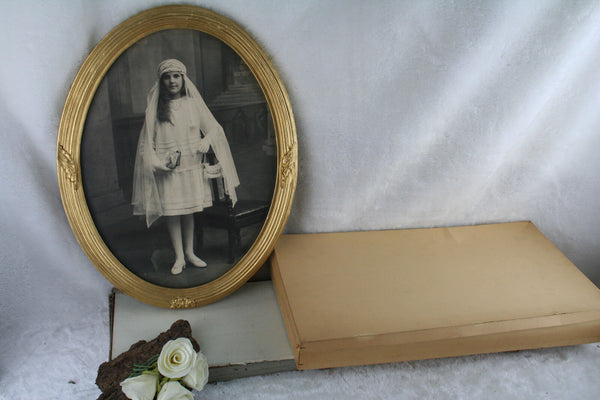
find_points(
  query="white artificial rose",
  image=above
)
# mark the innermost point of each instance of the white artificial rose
(142, 387)
(198, 376)
(174, 391)
(177, 358)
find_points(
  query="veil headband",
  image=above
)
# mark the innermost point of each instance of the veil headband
(171, 65)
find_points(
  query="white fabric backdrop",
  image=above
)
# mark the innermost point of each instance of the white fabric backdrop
(409, 114)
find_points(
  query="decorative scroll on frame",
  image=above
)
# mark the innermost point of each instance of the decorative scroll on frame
(176, 149)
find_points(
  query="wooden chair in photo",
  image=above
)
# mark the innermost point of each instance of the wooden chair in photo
(224, 215)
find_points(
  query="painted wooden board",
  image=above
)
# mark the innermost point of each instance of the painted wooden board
(241, 335)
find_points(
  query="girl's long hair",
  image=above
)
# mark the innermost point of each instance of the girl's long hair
(163, 112)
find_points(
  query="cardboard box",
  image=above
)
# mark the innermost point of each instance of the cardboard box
(383, 296)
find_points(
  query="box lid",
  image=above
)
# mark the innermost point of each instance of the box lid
(387, 287)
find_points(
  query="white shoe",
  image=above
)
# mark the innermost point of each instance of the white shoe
(196, 261)
(177, 268)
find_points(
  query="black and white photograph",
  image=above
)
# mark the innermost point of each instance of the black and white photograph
(178, 158)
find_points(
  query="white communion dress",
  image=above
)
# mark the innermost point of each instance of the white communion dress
(184, 189)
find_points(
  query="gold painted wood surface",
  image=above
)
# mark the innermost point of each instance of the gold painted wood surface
(73, 120)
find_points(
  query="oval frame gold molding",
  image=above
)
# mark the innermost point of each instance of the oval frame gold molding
(70, 133)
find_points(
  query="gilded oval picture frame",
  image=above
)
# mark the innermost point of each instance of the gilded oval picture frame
(177, 156)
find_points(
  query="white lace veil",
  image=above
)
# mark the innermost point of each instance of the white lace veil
(145, 199)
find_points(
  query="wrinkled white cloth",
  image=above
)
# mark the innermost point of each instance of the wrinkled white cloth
(409, 114)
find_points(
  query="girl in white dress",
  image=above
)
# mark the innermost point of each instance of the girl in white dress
(169, 177)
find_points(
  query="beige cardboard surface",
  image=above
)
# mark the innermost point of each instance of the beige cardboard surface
(341, 291)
